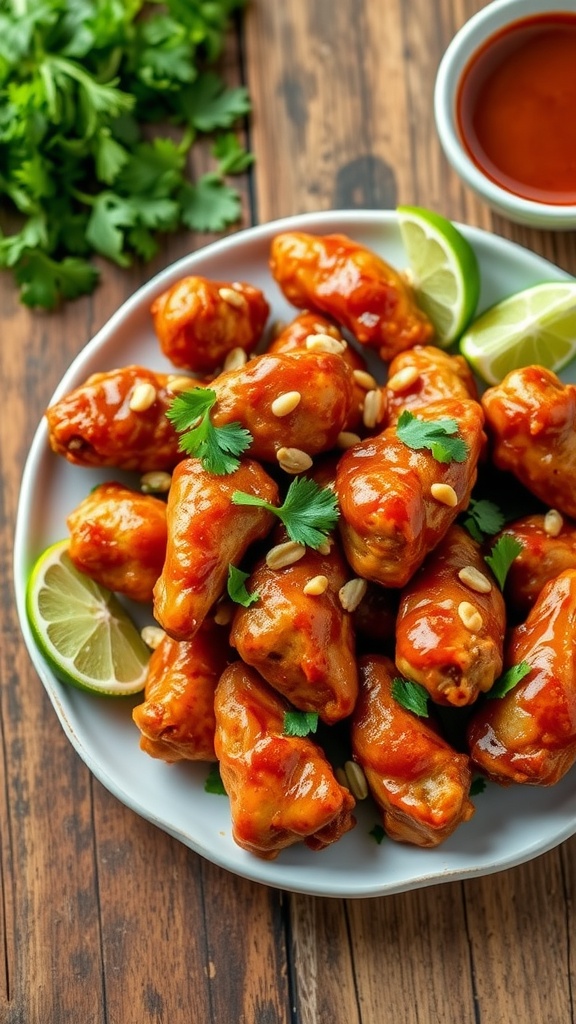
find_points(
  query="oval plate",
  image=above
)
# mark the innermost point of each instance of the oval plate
(510, 825)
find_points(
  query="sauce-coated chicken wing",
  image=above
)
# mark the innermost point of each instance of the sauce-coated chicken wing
(397, 502)
(118, 538)
(529, 734)
(248, 395)
(205, 533)
(198, 322)
(116, 418)
(419, 782)
(282, 788)
(531, 425)
(426, 374)
(451, 623)
(177, 718)
(548, 548)
(353, 286)
(302, 643)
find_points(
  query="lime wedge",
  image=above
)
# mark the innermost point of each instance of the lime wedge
(536, 326)
(82, 630)
(444, 269)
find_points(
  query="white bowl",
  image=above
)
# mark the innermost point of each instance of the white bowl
(490, 20)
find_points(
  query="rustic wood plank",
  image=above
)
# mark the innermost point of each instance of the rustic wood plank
(324, 980)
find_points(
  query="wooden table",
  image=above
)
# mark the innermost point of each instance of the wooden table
(107, 920)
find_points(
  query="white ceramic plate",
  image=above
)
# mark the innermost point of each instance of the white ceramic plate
(510, 825)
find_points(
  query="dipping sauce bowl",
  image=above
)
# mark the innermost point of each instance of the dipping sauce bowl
(505, 109)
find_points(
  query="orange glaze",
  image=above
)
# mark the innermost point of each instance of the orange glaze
(515, 108)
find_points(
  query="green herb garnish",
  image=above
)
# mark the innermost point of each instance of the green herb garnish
(217, 448)
(478, 785)
(213, 783)
(300, 723)
(377, 833)
(236, 587)
(101, 103)
(308, 512)
(508, 680)
(483, 518)
(411, 696)
(503, 553)
(440, 436)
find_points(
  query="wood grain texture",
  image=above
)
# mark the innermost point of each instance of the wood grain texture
(105, 919)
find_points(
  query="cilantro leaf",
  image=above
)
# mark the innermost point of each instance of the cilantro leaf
(231, 155)
(210, 105)
(377, 833)
(411, 696)
(236, 587)
(483, 517)
(309, 512)
(509, 679)
(478, 785)
(210, 205)
(217, 448)
(213, 783)
(110, 214)
(440, 436)
(501, 556)
(300, 723)
(44, 282)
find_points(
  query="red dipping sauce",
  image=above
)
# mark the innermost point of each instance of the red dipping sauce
(516, 108)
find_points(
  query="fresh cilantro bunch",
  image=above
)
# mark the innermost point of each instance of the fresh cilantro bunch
(100, 104)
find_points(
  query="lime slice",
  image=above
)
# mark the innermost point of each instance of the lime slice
(444, 270)
(536, 326)
(82, 630)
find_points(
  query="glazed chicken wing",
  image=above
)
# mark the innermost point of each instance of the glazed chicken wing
(118, 538)
(451, 623)
(531, 425)
(298, 635)
(205, 533)
(419, 782)
(177, 719)
(117, 418)
(426, 374)
(282, 788)
(320, 385)
(529, 734)
(198, 322)
(548, 548)
(397, 502)
(334, 275)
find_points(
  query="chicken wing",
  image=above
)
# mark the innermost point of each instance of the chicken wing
(529, 734)
(426, 374)
(334, 275)
(118, 538)
(177, 718)
(419, 782)
(451, 623)
(397, 502)
(282, 788)
(298, 635)
(320, 385)
(548, 548)
(531, 425)
(198, 322)
(117, 418)
(205, 533)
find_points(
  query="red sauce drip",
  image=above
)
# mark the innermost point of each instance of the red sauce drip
(516, 108)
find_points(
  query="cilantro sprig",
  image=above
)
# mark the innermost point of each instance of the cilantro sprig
(483, 518)
(411, 696)
(300, 723)
(509, 679)
(217, 448)
(101, 104)
(440, 437)
(236, 587)
(309, 512)
(501, 556)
